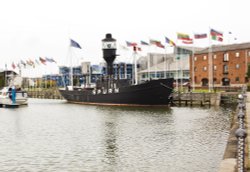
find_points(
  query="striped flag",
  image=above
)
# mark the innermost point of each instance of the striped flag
(183, 36)
(200, 36)
(187, 41)
(154, 42)
(216, 35)
(168, 41)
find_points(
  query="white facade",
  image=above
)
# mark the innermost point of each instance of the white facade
(156, 66)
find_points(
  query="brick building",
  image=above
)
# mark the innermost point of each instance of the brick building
(226, 64)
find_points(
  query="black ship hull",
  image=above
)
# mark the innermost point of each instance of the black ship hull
(151, 93)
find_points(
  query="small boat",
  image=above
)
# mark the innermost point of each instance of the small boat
(9, 97)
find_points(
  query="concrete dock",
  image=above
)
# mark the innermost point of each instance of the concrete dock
(229, 162)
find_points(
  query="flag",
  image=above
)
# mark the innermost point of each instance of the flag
(50, 60)
(183, 36)
(30, 62)
(187, 41)
(200, 36)
(37, 62)
(23, 63)
(74, 44)
(154, 42)
(43, 61)
(13, 65)
(144, 43)
(168, 41)
(131, 44)
(158, 44)
(216, 35)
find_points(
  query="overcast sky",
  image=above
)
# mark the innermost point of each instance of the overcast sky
(37, 28)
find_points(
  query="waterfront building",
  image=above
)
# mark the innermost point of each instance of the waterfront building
(156, 66)
(220, 65)
(89, 74)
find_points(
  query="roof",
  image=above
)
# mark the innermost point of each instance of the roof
(230, 47)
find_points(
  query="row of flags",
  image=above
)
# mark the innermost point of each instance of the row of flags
(32, 63)
(185, 38)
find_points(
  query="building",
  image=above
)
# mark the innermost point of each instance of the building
(157, 66)
(5, 77)
(89, 74)
(222, 65)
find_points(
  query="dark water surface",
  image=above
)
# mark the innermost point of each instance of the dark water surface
(51, 135)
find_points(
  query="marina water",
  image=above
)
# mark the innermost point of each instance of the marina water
(52, 135)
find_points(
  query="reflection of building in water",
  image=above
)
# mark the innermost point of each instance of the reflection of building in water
(110, 145)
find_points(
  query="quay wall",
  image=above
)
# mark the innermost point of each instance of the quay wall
(45, 94)
(214, 99)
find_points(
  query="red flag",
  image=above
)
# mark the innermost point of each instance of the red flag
(200, 36)
(43, 61)
(159, 45)
(131, 44)
(190, 41)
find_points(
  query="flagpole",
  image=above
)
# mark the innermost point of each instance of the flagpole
(135, 67)
(148, 59)
(165, 63)
(210, 65)
(193, 81)
(177, 71)
(181, 67)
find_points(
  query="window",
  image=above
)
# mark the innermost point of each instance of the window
(225, 69)
(237, 66)
(215, 56)
(248, 53)
(195, 58)
(226, 57)
(204, 57)
(195, 68)
(237, 79)
(205, 68)
(237, 54)
(215, 67)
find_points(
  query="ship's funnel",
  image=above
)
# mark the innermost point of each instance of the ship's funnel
(109, 51)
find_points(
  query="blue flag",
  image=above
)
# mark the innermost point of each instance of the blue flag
(74, 44)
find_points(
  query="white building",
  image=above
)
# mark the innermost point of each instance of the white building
(156, 66)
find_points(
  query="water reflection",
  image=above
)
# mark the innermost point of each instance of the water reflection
(51, 135)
